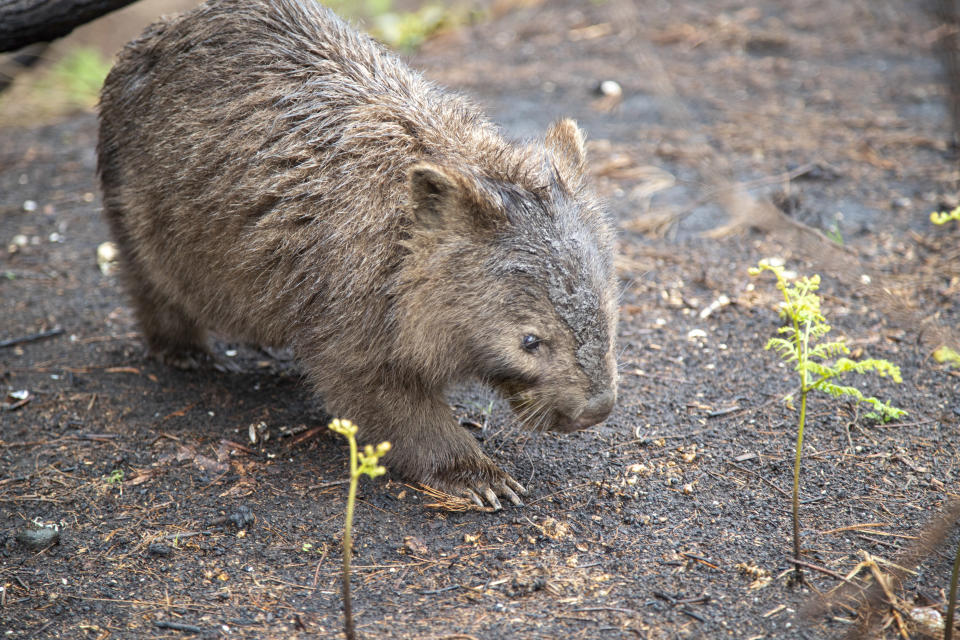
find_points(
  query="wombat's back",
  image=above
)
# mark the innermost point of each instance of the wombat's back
(245, 142)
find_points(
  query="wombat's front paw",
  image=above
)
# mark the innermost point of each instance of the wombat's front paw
(480, 485)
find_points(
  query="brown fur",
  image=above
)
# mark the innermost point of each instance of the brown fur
(272, 174)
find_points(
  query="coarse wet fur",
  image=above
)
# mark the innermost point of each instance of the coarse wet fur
(271, 174)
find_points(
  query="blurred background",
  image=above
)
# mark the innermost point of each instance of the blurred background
(69, 72)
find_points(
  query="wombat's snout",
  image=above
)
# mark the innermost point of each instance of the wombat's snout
(596, 410)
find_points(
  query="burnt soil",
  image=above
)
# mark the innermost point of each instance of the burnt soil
(742, 131)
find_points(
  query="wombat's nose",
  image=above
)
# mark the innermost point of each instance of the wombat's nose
(597, 409)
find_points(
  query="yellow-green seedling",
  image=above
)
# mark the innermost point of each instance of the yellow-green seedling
(399, 28)
(366, 462)
(115, 479)
(943, 217)
(818, 363)
(945, 354)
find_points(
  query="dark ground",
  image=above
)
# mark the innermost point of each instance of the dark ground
(655, 524)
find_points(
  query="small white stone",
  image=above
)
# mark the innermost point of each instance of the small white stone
(29, 206)
(107, 257)
(928, 617)
(611, 88)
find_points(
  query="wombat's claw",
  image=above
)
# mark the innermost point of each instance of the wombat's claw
(508, 488)
(475, 499)
(193, 359)
(511, 489)
(226, 366)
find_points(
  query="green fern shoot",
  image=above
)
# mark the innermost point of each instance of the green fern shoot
(943, 217)
(819, 363)
(361, 462)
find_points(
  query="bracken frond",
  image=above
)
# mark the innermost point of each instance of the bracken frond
(828, 350)
(784, 348)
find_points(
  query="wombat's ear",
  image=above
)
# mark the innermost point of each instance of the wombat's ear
(439, 197)
(431, 191)
(565, 140)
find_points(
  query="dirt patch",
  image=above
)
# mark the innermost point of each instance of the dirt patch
(669, 520)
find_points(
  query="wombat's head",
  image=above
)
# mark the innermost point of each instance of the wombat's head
(510, 279)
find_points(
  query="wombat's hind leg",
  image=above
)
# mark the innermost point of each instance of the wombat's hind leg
(172, 337)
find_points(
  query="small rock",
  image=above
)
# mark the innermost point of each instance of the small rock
(258, 432)
(29, 206)
(242, 518)
(159, 549)
(413, 545)
(928, 617)
(719, 303)
(16, 399)
(107, 257)
(38, 537)
(766, 44)
(610, 89)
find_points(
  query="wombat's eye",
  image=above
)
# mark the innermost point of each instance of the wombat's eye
(531, 343)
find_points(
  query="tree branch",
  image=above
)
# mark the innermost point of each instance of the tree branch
(24, 22)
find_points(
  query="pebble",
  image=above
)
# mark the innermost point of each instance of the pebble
(610, 88)
(159, 549)
(37, 538)
(242, 518)
(107, 257)
(29, 206)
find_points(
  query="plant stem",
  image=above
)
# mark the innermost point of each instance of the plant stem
(952, 599)
(796, 483)
(348, 628)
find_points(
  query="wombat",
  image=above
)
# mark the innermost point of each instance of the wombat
(274, 175)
